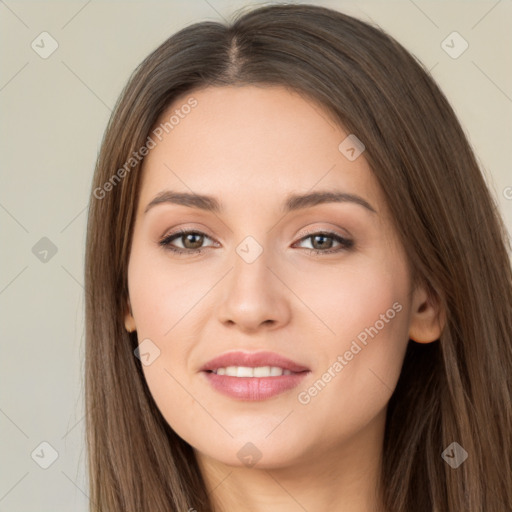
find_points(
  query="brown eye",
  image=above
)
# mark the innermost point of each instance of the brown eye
(322, 242)
(192, 241)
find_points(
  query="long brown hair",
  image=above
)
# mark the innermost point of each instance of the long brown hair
(456, 389)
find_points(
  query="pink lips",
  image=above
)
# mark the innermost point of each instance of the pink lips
(253, 388)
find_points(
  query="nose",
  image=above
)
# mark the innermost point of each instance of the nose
(253, 295)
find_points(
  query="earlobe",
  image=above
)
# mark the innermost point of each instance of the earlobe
(427, 317)
(129, 321)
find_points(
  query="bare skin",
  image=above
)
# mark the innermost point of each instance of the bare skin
(250, 147)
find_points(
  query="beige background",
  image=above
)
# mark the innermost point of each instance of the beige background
(54, 112)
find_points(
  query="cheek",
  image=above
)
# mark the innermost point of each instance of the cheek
(345, 298)
(367, 313)
(163, 296)
(165, 302)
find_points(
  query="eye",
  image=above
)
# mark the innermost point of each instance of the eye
(192, 241)
(322, 242)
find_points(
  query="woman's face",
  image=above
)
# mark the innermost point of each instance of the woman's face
(342, 315)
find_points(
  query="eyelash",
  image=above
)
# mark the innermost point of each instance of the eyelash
(346, 244)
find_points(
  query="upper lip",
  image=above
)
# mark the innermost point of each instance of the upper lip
(253, 360)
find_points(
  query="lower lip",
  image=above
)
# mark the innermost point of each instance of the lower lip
(254, 388)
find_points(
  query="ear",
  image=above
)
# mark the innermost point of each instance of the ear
(129, 321)
(428, 318)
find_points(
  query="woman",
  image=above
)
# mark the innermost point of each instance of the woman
(298, 289)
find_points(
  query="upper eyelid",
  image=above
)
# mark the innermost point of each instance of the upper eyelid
(329, 232)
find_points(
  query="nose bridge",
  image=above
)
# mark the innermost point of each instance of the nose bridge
(251, 263)
(253, 294)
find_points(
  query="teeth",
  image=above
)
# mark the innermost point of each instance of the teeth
(243, 371)
(246, 371)
(263, 371)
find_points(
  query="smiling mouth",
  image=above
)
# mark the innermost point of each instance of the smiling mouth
(253, 376)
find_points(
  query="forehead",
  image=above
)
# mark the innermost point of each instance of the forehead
(246, 141)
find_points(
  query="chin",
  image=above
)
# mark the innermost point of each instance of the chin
(249, 451)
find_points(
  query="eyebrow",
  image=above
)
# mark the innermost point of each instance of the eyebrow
(292, 203)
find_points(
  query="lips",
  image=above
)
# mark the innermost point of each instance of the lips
(248, 385)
